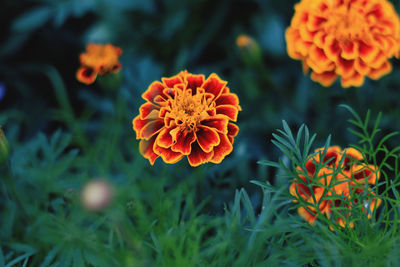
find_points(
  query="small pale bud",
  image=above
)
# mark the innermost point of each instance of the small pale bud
(96, 195)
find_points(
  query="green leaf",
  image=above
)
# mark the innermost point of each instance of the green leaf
(50, 256)
(269, 163)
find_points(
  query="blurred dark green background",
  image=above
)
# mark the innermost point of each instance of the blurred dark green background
(40, 43)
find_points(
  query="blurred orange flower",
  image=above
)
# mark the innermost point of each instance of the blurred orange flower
(98, 59)
(347, 38)
(338, 182)
(187, 115)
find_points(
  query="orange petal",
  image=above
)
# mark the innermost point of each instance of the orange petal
(198, 156)
(116, 68)
(233, 129)
(365, 173)
(332, 154)
(219, 123)
(167, 154)
(307, 215)
(315, 22)
(299, 190)
(361, 67)
(325, 78)
(138, 123)
(155, 89)
(356, 80)
(351, 155)
(382, 70)
(349, 50)
(151, 128)
(194, 81)
(345, 67)
(146, 149)
(292, 36)
(228, 110)
(214, 85)
(367, 52)
(171, 81)
(227, 99)
(207, 138)
(332, 48)
(86, 75)
(146, 109)
(164, 138)
(184, 140)
(221, 150)
(306, 34)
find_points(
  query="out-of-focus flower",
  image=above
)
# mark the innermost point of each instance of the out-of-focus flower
(4, 149)
(336, 183)
(350, 39)
(98, 59)
(187, 115)
(96, 195)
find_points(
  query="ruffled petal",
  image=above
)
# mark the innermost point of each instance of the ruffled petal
(155, 89)
(146, 109)
(214, 85)
(364, 174)
(224, 148)
(228, 110)
(146, 149)
(227, 99)
(164, 138)
(86, 75)
(325, 78)
(307, 215)
(151, 128)
(167, 154)
(207, 138)
(233, 129)
(218, 122)
(172, 81)
(194, 81)
(183, 141)
(198, 156)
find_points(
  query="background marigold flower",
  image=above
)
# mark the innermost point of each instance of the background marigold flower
(349, 39)
(187, 115)
(334, 179)
(98, 59)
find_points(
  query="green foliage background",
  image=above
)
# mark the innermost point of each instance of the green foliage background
(63, 134)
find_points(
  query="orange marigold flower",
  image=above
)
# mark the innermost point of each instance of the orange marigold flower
(98, 59)
(347, 38)
(187, 115)
(337, 182)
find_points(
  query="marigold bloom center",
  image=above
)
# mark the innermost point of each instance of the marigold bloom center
(348, 25)
(188, 110)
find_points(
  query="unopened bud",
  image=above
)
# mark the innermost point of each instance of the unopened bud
(249, 49)
(4, 149)
(97, 195)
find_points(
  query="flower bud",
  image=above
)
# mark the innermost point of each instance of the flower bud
(4, 149)
(97, 195)
(249, 49)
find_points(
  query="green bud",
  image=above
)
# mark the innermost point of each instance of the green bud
(249, 49)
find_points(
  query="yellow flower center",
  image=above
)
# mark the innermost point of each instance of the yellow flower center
(348, 24)
(188, 110)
